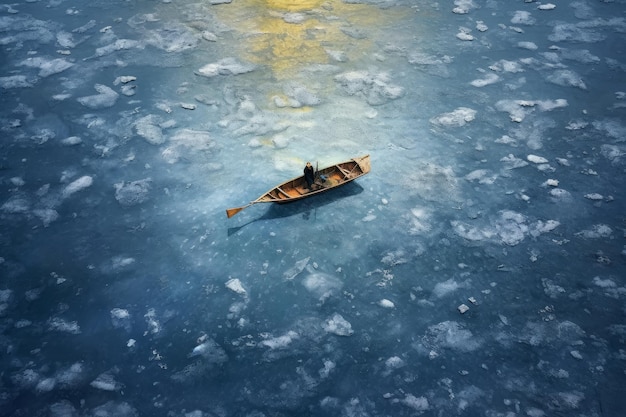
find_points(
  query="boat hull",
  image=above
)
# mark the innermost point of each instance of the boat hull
(326, 179)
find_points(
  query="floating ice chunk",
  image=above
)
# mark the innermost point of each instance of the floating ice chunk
(549, 105)
(70, 376)
(560, 194)
(322, 285)
(517, 110)
(15, 81)
(470, 232)
(536, 159)
(226, 66)
(148, 128)
(531, 46)
(27, 378)
(106, 382)
(47, 67)
(569, 400)
(118, 45)
(576, 354)
(71, 141)
(370, 217)
(444, 288)
(65, 40)
(299, 266)
(576, 32)
(106, 98)
(459, 117)
(522, 18)
(124, 79)
(120, 313)
(376, 88)
(451, 335)
(132, 193)
(464, 34)
(329, 366)
(463, 6)
(60, 325)
(463, 308)
(512, 162)
(194, 140)
(120, 318)
(16, 204)
(596, 232)
(613, 153)
(280, 342)
(210, 351)
(209, 36)
(235, 286)
(541, 227)
(46, 385)
(394, 362)
(338, 325)
(546, 6)
(154, 326)
(594, 196)
(294, 18)
(511, 227)
(419, 404)
(77, 185)
(299, 96)
(173, 37)
(613, 128)
(481, 26)
(551, 183)
(604, 283)
(482, 176)
(507, 66)
(567, 78)
(489, 79)
(386, 303)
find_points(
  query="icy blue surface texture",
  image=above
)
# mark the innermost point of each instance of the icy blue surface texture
(478, 270)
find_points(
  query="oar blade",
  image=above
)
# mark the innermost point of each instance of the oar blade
(232, 211)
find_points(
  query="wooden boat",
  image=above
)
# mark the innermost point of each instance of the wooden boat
(325, 179)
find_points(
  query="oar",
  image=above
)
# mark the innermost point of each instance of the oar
(232, 211)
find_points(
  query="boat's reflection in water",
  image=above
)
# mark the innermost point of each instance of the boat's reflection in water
(306, 207)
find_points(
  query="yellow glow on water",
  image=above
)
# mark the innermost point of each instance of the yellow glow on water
(293, 5)
(317, 26)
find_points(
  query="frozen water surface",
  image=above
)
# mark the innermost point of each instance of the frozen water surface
(477, 270)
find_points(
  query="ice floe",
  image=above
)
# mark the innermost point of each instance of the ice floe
(46, 66)
(322, 286)
(235, 285)
(338, 326)
(106, 382)
(132, 193)
(456, 118)
(60, 325)
(280, 342)
(375, 88)
(463, 6)
(77, 185)
(106, 97)
(225, 66)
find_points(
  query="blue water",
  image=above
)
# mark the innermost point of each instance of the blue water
(478, 269)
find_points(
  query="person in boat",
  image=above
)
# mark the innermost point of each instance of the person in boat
(309, 175)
